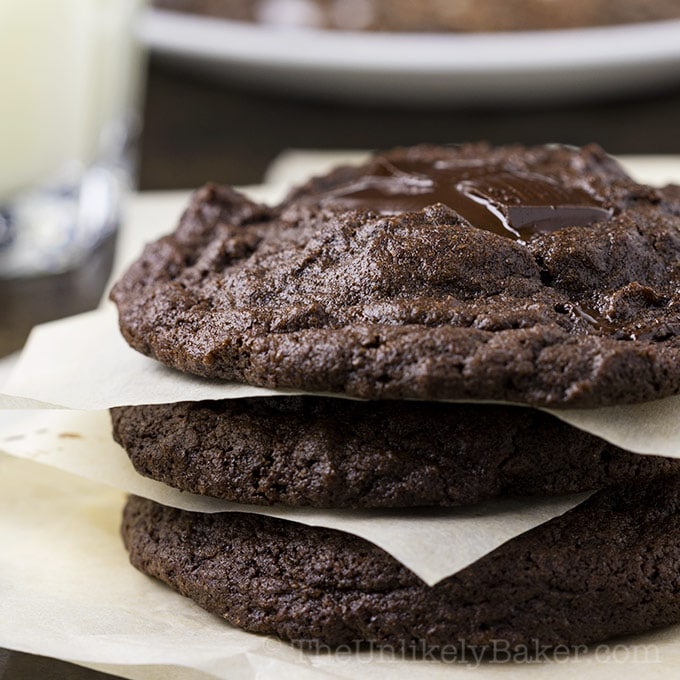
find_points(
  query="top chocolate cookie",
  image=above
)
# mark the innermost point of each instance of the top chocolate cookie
(541, 275)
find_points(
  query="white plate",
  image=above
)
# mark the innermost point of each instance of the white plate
(507, 68)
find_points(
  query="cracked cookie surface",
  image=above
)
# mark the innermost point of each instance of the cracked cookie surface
(334, 453)
(607, 568)
(538, 275)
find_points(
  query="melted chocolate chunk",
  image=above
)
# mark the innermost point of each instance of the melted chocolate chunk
(512, 204)
(649, 330)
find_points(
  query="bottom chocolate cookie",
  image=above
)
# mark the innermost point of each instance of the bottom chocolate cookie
(337, 453)
(609, 567)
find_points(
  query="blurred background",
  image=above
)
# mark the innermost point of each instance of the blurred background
(172, 96)
(195, 130)
(224, 98)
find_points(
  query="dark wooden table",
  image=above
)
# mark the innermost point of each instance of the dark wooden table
(196, 130)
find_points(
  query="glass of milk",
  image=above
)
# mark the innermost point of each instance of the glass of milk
(70, 79)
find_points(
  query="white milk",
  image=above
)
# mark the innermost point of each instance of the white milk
(67, 75)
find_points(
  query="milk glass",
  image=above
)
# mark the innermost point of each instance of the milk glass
(70, 77)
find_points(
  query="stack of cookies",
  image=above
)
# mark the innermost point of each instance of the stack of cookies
(544, 277)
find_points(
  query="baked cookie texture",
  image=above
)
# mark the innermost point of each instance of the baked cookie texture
(609, 567)
(336, 453)
(540, 275)
(433, 15)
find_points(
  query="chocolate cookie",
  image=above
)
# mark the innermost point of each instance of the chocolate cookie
(432, 15)
(337, 453)
(534, 275)
(609, 567)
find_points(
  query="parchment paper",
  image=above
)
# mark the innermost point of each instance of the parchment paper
(83, 363)
(432, 543)
(69, 592)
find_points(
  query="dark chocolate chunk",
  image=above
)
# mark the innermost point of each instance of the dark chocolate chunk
(513, 204)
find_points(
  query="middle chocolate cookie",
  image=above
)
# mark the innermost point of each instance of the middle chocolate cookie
(337, 453)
